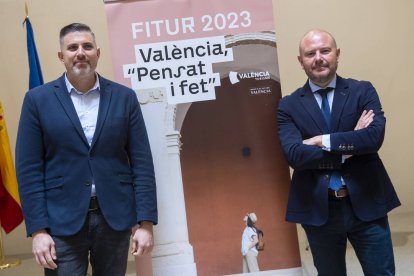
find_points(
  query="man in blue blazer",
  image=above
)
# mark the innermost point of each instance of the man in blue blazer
(330, 131)
(84, 167)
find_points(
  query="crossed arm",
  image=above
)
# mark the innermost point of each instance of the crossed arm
(366, 118)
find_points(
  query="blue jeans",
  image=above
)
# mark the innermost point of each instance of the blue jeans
(106, 248)
(370, 240)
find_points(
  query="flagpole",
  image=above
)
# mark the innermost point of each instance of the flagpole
(6, 263)
(26, 11)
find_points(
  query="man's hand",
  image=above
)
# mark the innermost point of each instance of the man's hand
(43, 248)
(142, 239)
(314, 141)
(366, 118)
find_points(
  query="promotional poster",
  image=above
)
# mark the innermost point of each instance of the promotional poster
(206, 75)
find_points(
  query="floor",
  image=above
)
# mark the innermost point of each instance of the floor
(402, 227)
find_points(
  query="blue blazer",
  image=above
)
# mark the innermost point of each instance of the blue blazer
(299, 117)
(55, 165)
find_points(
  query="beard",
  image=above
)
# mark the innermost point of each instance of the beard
(83, 71)
(322, 78)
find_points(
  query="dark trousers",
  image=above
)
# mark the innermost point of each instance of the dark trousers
(106, 248)
(370, 240)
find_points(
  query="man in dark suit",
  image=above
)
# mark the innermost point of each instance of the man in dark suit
(84, 167)
(330, 131)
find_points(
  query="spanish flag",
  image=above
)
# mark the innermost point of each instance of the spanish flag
(10, 209)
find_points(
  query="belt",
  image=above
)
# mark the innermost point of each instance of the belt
(93, 204)
(343, 192)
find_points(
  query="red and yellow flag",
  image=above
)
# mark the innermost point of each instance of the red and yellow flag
(10, 208)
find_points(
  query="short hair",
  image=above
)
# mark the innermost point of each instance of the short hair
(317, 31)
(74, 27)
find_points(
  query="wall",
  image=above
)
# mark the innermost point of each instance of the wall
(375, 37)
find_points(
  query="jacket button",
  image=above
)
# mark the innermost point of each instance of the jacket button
(88, 183)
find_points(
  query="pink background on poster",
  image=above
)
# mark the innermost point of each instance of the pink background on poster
(121, 16)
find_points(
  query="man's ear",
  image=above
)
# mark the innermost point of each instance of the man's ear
(60, 56)
(300, 61)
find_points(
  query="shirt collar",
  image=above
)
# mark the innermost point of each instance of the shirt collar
(315, 87)
(69, 86)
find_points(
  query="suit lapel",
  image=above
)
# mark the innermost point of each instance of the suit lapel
(104, 101)
(64, 98)
(340, 97)
(310, 104)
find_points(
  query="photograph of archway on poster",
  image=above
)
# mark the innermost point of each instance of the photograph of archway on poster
(206, 75)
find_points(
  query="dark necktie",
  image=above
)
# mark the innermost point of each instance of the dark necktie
(335, 181)
(326, 111)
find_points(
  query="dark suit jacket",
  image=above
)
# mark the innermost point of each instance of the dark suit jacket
(299, 117)
(55, 165)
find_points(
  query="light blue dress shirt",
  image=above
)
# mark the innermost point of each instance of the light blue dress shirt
(87, 107)
(326, 139)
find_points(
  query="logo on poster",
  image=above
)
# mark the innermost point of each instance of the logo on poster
(259, 75)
